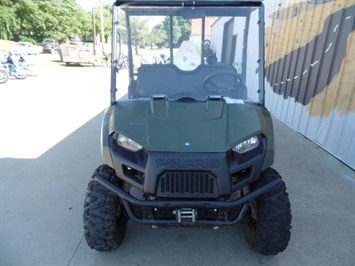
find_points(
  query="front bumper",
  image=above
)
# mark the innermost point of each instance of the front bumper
(199, 212)
(187, 189)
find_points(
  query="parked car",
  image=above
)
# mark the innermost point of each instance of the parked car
(50, 46)
(25, 48)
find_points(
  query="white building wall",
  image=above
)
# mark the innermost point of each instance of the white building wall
(313, 41)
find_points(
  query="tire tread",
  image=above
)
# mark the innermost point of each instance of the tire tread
(273, 226)
(104, 221)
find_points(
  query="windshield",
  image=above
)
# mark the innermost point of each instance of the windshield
(191, 52)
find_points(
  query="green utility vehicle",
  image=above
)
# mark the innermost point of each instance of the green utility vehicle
(191, 144)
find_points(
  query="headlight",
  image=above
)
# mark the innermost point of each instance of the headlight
(247, 145)
(128, 143)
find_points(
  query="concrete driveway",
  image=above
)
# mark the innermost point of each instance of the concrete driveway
(49, 147)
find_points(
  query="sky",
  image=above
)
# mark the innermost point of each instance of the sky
(88, 4)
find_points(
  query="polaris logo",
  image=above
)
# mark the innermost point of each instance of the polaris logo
(187, 164)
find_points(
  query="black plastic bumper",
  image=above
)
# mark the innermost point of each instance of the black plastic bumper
(240, 204)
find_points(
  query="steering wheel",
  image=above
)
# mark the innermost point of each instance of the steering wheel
(222, 88)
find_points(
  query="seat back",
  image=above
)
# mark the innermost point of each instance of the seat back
(168, 79)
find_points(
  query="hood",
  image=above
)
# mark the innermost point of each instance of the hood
(214, 125)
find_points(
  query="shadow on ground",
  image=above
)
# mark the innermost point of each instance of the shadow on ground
(42, 204)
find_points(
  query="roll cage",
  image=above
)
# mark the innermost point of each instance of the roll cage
(189, 10)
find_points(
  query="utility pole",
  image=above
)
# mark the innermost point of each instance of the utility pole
(102, 28)
(94, 29)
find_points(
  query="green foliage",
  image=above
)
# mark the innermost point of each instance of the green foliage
(181, 29)
(8, 21)
(159, 36)
(185, 27)
(107, 17)
(36, 20)
(139, 31)
(5, 3)
(39, 19)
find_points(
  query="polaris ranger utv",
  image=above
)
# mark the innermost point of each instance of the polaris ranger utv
(191, 144)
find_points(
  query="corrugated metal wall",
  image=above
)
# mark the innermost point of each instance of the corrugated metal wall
(310, 70)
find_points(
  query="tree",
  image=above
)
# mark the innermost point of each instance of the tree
(107, 15)
(39, 19)
(139, 32)
(158, 36)
(63, 17)
(185, 27)
(27, 14)
(8, 20)
(181, 29)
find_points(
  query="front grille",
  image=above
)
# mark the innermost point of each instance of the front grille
(187, 184)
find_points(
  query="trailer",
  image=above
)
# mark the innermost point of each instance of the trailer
(76, 53)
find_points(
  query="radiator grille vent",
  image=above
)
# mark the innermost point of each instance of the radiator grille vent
(187, 184)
